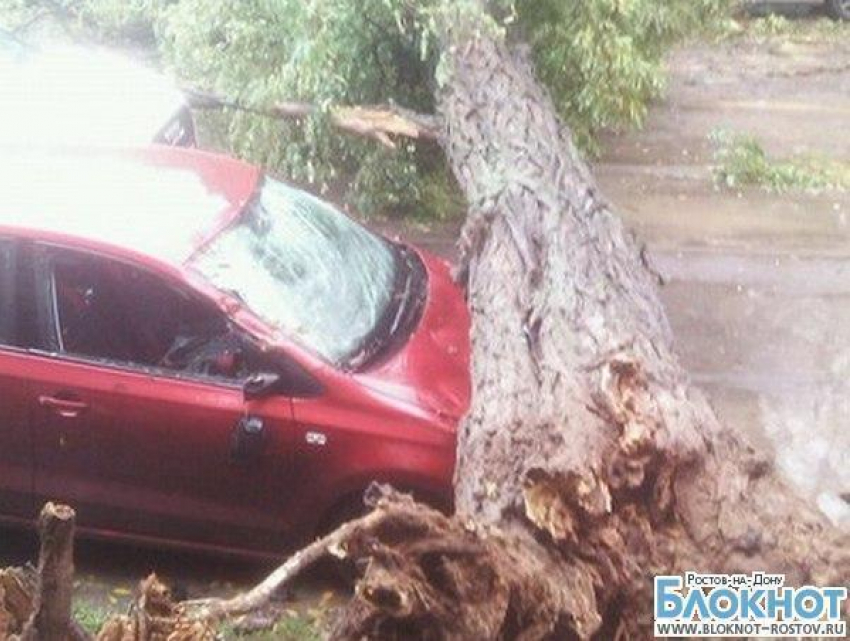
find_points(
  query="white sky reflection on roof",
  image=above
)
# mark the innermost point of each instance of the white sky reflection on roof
(155, 209)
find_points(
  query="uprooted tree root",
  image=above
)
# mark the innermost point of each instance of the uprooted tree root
(17, 590)
(427, 576)
(424, 576)
(154, 616)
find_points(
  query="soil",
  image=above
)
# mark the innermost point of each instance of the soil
(757, 283)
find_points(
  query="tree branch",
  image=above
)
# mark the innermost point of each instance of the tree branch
(382, 123)
(51, 618)
(262, 593)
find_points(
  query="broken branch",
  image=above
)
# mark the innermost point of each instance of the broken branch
(262, 593)
(379, 122)
(51, 619)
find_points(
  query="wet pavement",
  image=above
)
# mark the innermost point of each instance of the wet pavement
(758, 286)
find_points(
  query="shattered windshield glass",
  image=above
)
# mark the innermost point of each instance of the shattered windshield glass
(305, 268)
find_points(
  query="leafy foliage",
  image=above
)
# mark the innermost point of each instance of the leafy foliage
(741, 160)
(325, 52)
(601, 59)
(90, 617)
(775, 26)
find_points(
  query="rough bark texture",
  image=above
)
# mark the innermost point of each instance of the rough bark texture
(154, 616)
(51, 616)
(585, 435)
(588, 462)
(17, 594)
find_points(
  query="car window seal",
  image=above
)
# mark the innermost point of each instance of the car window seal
(134, 368)
(399, 320)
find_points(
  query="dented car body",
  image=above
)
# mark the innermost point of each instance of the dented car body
(194, 354)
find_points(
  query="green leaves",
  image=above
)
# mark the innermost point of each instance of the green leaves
(740, 160)
(600, 59)
(326, 52)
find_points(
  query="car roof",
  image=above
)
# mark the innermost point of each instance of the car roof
(162, 202)
(10, 46)
(105, 98)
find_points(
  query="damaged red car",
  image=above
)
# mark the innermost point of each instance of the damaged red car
(195, 354)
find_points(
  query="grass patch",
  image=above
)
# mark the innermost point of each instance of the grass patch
(90, 617)
(814, 30)
(740, 160)
(775, 28)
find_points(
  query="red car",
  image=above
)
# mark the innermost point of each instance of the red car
(195, 354)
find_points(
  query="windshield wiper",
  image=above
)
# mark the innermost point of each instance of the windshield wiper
(404, 305)
(403, 298)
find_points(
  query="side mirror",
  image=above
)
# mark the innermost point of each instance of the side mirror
(292, 381)
(262, 385)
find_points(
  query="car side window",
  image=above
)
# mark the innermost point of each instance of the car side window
(109, 311)
(7, 293)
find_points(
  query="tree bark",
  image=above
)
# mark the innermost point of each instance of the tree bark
(588, 462)
(585, 435)
(17, 590)
(51, 617)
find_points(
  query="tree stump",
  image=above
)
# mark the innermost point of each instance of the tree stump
(51, 617)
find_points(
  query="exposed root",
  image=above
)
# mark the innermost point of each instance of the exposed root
(424, 576)
(17, 591)
(333, 544)
(428, 576)
(155, 617)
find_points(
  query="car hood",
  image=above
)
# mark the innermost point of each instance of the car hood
(431, 369)
(67, 95)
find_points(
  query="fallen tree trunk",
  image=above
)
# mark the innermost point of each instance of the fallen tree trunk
(585, 435)
(588, 462)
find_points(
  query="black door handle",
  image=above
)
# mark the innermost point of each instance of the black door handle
(248, 439)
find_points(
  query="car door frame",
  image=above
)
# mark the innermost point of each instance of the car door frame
(41, 255)
(16, 498)
(8, 283)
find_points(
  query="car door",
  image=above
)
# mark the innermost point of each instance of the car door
(15, 445)
(136, 447)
